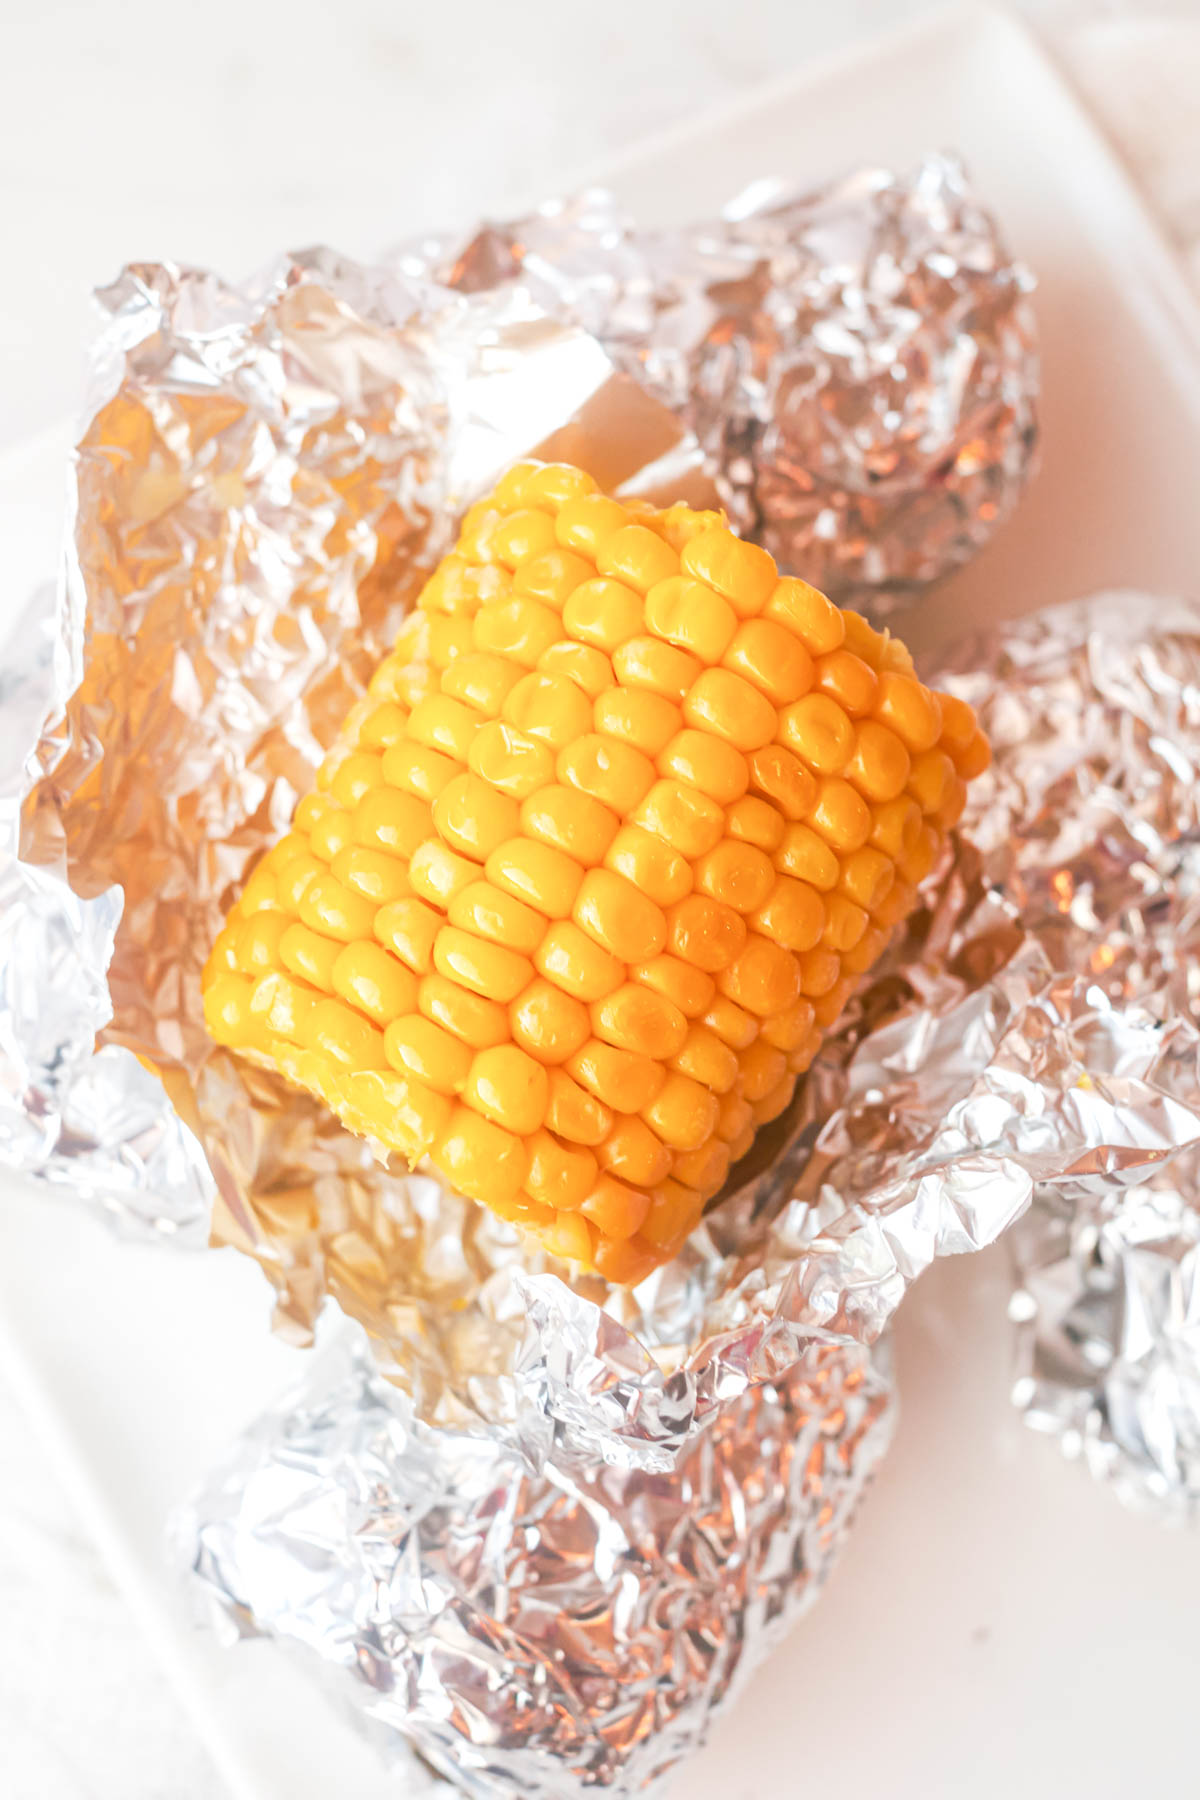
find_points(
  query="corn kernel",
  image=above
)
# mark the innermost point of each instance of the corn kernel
(772, 658)
(808, 857)
(570, 958)
(450, 638)
(603, 613)
(730, 706)
(880, 764)
(633, 1017)
(743, 573)
(930, 779)
(706, 763)
(487, 969)
(388, 820)
(660, 668)
(589, 668)
(732, 1023)
(764, 979)
(552, 577)
(572, 822)
(819, 732)
(793, 915)
(479, 1158)
(637, 717)
(615, 1209)
(573, 1113)
(489, 912)
(623, 1079)
(332, 833)
(549, 1023)
(896, 826)
(736, 874)
(409, 929)
(638, 556)
(788, 1030)
(416, 1046)
(308, 954)
(569, 1236)
(553, 484)
(509, 761)
(443, 723)
(521, 535)
(508, 1087)
(650, 864)
(383, 726)
(633, 1154)
(703, 1170)
(783, 778)
(705, 933)
(624, 922)
(550, 707)
(687, 987)
(416, 769)
(536, 873)
(910, 710)
(707, 1060)
(754, 821)
(473, 817)
(815, 620)
(558, 1177)
(258, 942)
(478, 1022)
(367, 977)
(674, 1210)
(844, 923)
(480, 682)
(847, 680)
(691, 617)
(344, 1036)
(614, 773)
(841, 816)
(335, 911)
(436, 873)
(866, 876)
(819, 970)
(683, 1113)
(585, 523)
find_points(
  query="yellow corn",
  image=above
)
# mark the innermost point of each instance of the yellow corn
(597, 863)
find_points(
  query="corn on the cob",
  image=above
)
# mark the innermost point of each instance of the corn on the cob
(597, 861)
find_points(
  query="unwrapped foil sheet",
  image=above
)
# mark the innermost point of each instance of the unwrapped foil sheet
(1093, 824)
(859, 362)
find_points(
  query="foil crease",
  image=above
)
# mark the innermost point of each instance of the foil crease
(1093, 824)
(859, 362)
(535, 1631)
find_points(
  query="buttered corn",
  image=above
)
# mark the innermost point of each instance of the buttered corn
(596, 863)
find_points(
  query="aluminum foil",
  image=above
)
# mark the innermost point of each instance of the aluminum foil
(518, 1600)
(859, 362)
(1093, 824)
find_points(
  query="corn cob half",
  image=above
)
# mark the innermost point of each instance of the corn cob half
(600, 857)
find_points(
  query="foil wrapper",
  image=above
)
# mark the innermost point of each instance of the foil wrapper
(1093, 824)
(859, 362)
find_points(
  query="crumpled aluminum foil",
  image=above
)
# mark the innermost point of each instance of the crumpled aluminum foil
(980, 1070)
(1094, 826)
(859, 362)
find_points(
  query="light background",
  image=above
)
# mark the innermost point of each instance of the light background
(219, 134)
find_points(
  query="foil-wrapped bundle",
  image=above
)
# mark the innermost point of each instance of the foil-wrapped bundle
(1093, 824)
(858, 362)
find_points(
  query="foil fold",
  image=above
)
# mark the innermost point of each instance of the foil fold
(1093, 823)
(858, 362)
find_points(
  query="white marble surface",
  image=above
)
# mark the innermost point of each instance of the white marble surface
(218, 134)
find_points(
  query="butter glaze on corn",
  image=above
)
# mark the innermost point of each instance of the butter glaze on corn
(596, 863)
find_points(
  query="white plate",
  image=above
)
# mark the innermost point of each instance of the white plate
(1009, 1627)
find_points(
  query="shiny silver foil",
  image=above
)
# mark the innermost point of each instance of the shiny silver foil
(859, 362)
(1093, 824)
